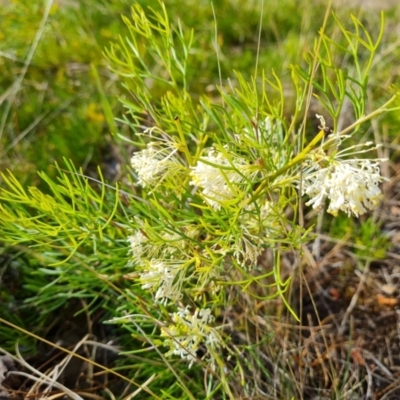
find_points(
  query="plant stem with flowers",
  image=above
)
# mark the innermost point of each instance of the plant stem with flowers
(217, 183)
(223, 184)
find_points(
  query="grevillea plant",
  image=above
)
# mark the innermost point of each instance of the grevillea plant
(214, 194)
(222, 177)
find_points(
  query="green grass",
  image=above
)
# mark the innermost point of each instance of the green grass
(56, 110)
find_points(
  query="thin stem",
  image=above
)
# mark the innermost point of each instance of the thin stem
(296, 160)
(13, 90)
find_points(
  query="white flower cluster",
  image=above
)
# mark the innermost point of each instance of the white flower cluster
(162, 271)
(154, 163)
(351, 185)
(247, 248)
(163, 277)
(162, 268)
(188, 332)
(257, 224)
(138, 246)
(220, 178)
